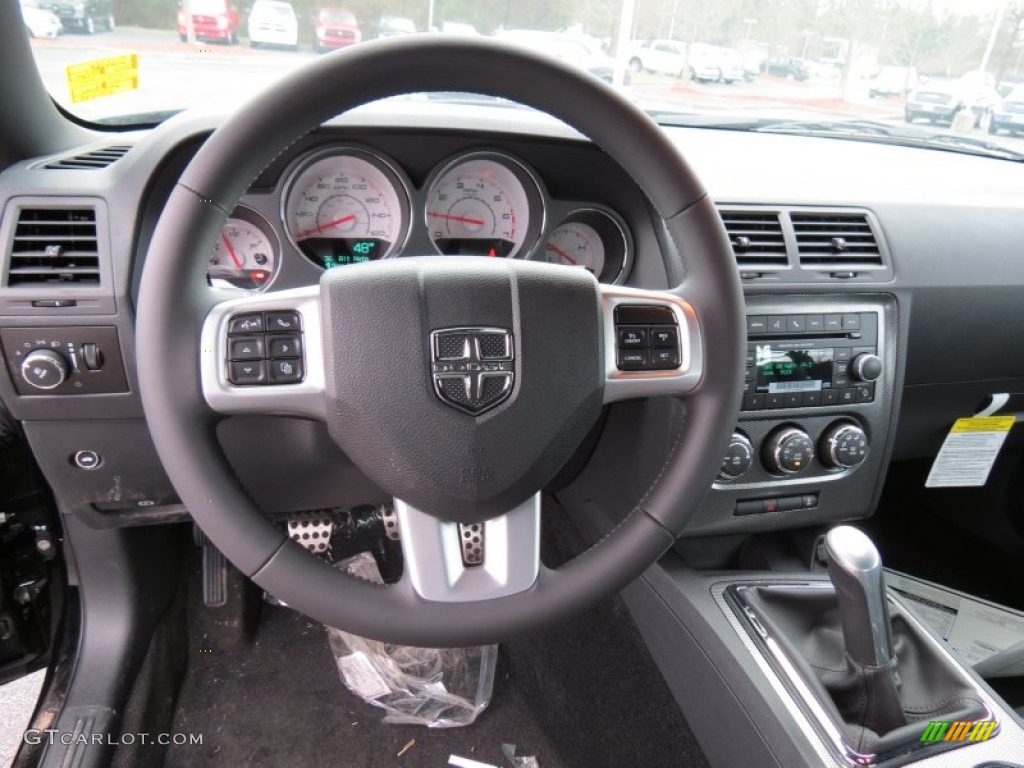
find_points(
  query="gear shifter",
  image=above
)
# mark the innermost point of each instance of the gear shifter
(855, 568)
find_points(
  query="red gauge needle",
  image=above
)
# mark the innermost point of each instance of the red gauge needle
(234, 256)
(328, 225)
(561, 253)
(464, 219)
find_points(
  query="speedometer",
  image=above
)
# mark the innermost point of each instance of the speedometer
(347, 207)
(484, 205)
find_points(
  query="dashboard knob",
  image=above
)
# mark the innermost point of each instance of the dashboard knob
(866, 367)
(843, 445)
(44, 369)
(787, 451)
(738, 457)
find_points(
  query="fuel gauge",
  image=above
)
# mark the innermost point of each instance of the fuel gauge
(244, 255)
(592, 240)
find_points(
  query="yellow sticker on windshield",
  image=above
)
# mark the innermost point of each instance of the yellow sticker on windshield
(103, 77)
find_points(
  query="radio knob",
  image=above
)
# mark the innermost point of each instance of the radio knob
(787, 451)
(843, 446)
(866, 367)
(44, 369)
(738, 457)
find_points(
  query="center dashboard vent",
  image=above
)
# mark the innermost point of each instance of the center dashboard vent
(834, 241)
(756, 238)
(54, 245)
(91, 161)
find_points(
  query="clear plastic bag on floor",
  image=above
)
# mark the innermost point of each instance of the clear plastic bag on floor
(435, 687)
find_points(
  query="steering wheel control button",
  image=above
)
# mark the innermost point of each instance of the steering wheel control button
(738, 457)
(248, 372)
(665, 337)
(87, 460)
(251, 323)
(664, 358)
(282, 322)
(843, 446)
(632, 338)
(643, 314)
(787, 451)
(246, 348)
(632, 359)
(285, 371)
(284, 345)
(44, 369)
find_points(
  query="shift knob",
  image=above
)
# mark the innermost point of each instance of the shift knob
(855, 568)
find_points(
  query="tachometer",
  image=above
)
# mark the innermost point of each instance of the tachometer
(484, 205)
(347, 207)
(244, 255)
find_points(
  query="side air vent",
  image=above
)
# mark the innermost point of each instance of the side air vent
(835, 241)
(756, 238)
(54, 245)
(91, 161)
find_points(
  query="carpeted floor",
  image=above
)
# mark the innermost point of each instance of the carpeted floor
(583, 695)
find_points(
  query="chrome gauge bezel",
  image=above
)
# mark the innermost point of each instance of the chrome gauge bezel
(252, 216)
(614, 234)
(536, 195)
(391, 170)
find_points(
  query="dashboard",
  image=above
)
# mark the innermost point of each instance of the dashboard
(880, 283)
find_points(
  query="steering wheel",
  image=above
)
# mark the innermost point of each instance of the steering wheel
(459, 385)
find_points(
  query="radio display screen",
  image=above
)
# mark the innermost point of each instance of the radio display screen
(792, 370)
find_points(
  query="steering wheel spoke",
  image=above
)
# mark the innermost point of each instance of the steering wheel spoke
(652, 344)
(449, 562)
(264, 355)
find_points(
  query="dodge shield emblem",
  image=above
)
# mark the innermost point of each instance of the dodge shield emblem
(472, 368)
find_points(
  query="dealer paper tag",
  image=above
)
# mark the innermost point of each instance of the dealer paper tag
(970, 450)
(361, 677)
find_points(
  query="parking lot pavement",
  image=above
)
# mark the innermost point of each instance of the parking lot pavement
(17, 702)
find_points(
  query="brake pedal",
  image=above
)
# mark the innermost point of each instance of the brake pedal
(215, 571)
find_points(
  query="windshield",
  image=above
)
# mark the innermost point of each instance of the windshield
(945, 67)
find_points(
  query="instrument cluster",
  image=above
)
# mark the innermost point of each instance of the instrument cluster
(349, 204)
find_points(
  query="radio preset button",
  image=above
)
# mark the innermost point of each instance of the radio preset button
(829, 396)
(812, 398)
(774, 400)
(793, 399)
(753, 402)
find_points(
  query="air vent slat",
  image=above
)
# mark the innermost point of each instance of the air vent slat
(836, 241)
(54, 246)
(756, 238)
(91, 161)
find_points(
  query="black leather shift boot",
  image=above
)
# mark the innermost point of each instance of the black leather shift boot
(805, 623)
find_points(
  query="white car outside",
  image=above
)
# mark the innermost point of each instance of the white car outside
(272, 22)
(40, 23)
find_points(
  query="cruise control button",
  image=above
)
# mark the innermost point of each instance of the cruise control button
(664, 337)
(632, 359)
(285, 371)
(247, 372)
(246, 324)
(286, 345)
(245, 348)
(665, 358)
(282, 321)
(632, 338)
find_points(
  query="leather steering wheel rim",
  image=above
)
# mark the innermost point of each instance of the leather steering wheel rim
(174, 300)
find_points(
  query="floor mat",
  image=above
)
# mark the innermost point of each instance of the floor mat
(582, 695)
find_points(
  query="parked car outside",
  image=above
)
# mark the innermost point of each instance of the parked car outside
(578, 50)
(667, 57)
(704, 63)
(273, 23)
(730, 65)
(940, 100)
(390, 26)
(85, 16)
(212, 20)
(335, 28)
(789, 68)
(458, 28)
(40, 23)
(893, 81)
(1008, 114)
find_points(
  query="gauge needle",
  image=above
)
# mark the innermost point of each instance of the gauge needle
(464, 219)
(328, 225)
(562, 253)
(234, 256)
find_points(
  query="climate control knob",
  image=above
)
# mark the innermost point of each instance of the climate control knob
(44, 369)
(866, 367)
(787, 451)
(738, 457)
(843, 446)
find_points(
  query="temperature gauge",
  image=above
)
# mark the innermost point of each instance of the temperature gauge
(244, 255)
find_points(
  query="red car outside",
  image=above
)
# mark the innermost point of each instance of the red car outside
(211, 20)
(335, 28)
